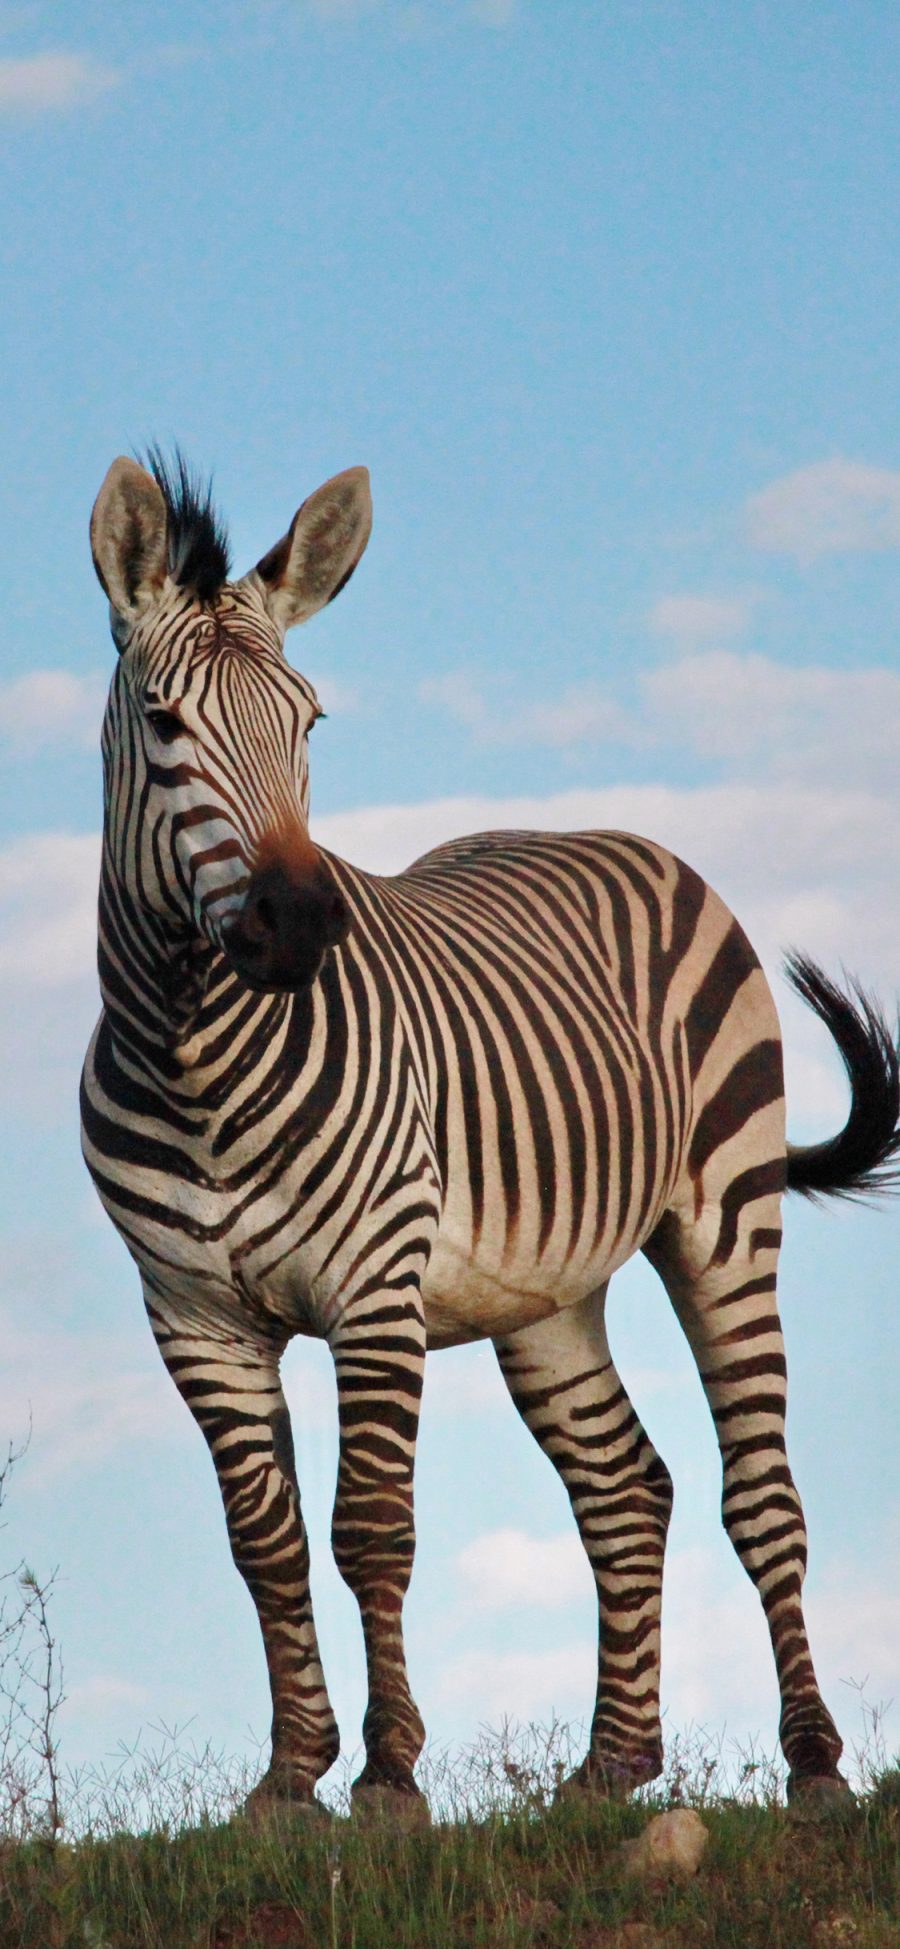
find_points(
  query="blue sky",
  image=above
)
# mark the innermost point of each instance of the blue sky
(607, 301)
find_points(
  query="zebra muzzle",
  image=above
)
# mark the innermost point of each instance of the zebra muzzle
(285, 927)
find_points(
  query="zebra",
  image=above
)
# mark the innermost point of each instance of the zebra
(409, 1112)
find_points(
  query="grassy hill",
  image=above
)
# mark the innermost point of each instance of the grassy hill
(525, 1873)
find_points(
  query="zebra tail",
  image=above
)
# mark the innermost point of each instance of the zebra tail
(863, 1160)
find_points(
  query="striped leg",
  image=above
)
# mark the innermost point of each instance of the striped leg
(379, 1357)
(561, 1376)
(229, 1378)
(720, 1276)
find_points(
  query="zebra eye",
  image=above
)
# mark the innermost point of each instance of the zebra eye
(165, 725)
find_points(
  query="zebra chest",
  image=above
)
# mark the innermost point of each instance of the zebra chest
(277, 1232)
(250, 1220)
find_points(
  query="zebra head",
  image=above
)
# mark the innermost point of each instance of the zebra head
(205, 736)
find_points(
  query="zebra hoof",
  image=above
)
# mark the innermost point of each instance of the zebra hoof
(272, 1803)
(376, 1803)
(611, 1779)
(820, 1797)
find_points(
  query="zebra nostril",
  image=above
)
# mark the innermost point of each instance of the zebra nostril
(336, 915)
(259, 920)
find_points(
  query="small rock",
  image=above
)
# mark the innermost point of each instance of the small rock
(836, 1932)
(670, 1849)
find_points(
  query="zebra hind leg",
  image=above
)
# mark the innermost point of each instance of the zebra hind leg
(720, 1276)
(561, 1376)
(231, 1384)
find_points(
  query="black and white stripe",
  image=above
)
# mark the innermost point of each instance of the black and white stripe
(408, 1112)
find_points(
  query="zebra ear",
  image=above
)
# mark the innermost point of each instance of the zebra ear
(320, 551)
(128, 538)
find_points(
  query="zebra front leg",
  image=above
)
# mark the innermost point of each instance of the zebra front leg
(379, 1356)
(561, 1376)
(720, 1275)
(229, 1378)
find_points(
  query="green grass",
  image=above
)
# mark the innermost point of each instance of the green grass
(505, 1868)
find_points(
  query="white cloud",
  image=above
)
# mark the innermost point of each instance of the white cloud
(699, 618)
(48, 908)
(507, 1567)
(529, 1685)
(748, 712)
(48, 706)
(580, 713)
(832, 507)
(754, 714)
(103, 1697)
(54, 80)
(85, 1394)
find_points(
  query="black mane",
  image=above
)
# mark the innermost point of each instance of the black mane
(199, 556)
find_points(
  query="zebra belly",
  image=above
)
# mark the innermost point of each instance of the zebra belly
(465, 1297)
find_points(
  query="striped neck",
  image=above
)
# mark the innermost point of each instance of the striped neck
(171, 999)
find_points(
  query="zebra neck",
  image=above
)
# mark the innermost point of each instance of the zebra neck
(171, 1000)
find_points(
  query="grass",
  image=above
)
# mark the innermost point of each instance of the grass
(502, 1867)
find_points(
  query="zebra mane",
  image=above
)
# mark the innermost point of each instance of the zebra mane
(199, 555)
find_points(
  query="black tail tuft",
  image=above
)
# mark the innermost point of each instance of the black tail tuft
(863, 1160)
